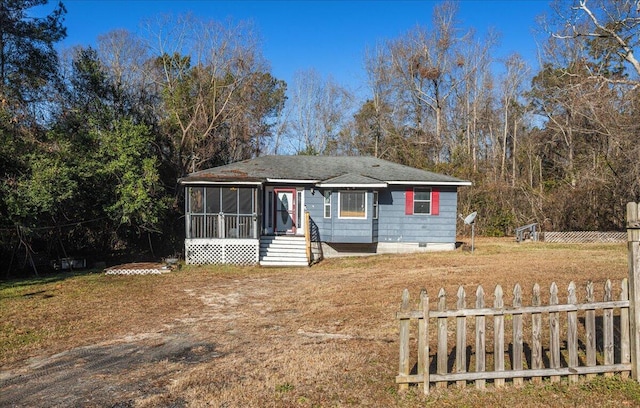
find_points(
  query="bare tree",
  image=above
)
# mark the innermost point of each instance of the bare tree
(384, 116)
(125, 58)
(610, 30)
(423, 75)
(475, 105)
(513, 82)
(319, 109)
(611, 27)
(200, 67)
(123, 55)
(587, 91)
(254, 114)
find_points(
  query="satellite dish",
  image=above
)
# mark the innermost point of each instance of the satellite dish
(471, 218)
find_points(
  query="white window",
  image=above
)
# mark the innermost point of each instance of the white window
(375, 205)
(327, 204)
(270, 210)
(299, 209)
(422, 201)
(353, 204)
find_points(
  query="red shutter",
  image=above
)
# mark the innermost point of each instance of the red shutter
(435, 201)
(408, 203)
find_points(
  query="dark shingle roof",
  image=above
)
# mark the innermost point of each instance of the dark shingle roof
(318, 169)
(352, 179)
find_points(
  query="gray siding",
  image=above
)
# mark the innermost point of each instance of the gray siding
(393, 224)
(315, 206)
(336, 229)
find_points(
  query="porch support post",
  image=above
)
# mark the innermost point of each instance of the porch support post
(633, 245)
(187, 213)
(221, 231)
(255, 225)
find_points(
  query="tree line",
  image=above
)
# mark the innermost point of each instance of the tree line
(94, 139)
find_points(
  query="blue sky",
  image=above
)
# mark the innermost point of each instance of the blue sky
(328, 36)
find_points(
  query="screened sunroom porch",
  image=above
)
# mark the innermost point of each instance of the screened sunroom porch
(222, 224)
(222, 212)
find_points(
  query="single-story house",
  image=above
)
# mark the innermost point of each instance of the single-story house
(293, 210)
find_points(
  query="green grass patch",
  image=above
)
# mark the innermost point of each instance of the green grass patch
(614, 386)
(14, 337)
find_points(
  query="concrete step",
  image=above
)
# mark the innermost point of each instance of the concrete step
(283, 242)
(282, 245)
(272, 255)
(268, 262)
(292, 237)
(284, 257)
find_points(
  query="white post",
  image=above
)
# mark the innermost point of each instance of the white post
(473, 235)
(633, 245)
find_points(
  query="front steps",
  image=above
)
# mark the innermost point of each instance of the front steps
(283, 250)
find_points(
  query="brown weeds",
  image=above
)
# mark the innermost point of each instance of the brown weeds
(308, 337)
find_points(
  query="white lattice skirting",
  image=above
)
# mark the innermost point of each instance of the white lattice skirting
(583, 237)
(222, 251)
(138, 269)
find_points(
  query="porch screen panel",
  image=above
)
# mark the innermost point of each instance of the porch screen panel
(213, 200)
(197, 224)
(229, 200)
(245, 201)
(212, 210)
(245, 212)
(196, 200)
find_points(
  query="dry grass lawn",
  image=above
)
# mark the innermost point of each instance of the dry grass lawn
(323, 336)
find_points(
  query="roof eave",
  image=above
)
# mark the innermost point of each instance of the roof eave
(319, 184)
(348, 185)
(432, 183)
(218, 182)
(291, 181)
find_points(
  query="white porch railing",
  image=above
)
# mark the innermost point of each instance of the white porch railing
(223, 226)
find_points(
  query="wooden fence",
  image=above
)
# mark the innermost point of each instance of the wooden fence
(597, 337)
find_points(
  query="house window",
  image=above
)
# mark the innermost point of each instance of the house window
(375, 205)
(327, 204)
(353, 204)
(422, 201)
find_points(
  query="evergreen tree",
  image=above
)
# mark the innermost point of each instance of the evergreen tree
(28, 60)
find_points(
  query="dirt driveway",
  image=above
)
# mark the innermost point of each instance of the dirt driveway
(99, 375)
(113, 373)
(235, 322)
